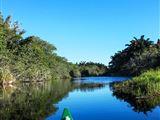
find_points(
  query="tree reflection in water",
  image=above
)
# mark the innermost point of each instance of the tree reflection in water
(32, 101)
(37, 101)
(144, 105)
(89, 86)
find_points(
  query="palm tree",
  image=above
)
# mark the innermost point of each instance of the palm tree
(138, 45)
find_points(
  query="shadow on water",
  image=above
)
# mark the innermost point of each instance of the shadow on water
(143, 105)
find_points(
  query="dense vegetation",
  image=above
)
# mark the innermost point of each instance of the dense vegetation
(147, 85)
(140, 55)
(28, 59)
(92, 69)
(33, 59)
(141, 59)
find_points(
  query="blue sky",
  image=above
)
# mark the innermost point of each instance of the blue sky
(86, 30)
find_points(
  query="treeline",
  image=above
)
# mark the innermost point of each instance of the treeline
(138, 56)
(92, 69)
(30, 58)
(33, 59)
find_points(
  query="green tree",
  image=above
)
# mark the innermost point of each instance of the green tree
(139, 55)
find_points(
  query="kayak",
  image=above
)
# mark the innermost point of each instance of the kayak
(66, 115)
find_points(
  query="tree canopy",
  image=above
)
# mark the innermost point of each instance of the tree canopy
(33, 59)
(141, 54)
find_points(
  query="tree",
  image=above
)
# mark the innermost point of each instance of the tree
(139, 55)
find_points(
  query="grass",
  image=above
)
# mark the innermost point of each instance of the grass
(147, 85)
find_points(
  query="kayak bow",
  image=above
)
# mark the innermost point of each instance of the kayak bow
(66, 115)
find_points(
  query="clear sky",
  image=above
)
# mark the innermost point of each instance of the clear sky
(86, 30)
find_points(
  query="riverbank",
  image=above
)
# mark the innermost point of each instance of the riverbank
(145, 86)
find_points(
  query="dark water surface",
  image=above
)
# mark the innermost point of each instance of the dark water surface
(88, 99)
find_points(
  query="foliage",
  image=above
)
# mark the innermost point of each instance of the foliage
(30, 58)
(33, 59)
(147, 85)
(92, 69)
(142, 92)
(6, 76)
(140, 55)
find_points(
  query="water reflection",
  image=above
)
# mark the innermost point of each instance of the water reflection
(32, 101)
(36, 101)
(40, 100)
(88, 86)
(143, 105)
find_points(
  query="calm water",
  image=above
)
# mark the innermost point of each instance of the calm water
(88, 99)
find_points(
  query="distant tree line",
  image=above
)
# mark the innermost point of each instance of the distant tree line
(138, 56)
(92, 69)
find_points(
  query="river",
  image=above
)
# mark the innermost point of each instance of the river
(89, 98)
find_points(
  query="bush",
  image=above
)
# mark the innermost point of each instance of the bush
(145, 85)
